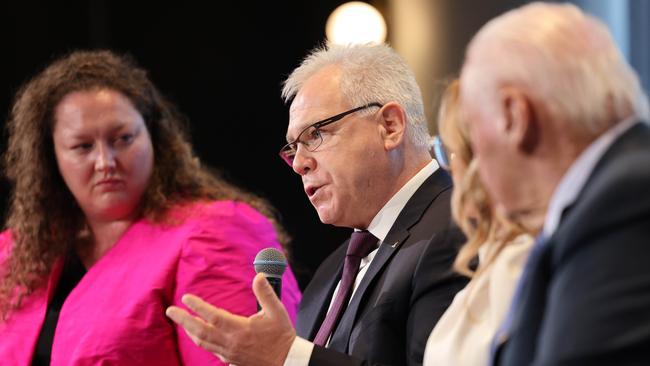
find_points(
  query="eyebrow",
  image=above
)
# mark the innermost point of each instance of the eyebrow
(287, 137)
(121, 125)
(302, 128)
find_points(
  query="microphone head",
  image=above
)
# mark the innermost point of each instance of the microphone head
(271, 262)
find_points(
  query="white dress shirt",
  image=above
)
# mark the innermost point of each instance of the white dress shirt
(576, 176)
(301, 349)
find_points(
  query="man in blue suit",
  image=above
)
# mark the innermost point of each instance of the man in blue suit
(558, 122)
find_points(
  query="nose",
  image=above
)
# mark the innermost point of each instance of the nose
(303, 162)
(105, 160)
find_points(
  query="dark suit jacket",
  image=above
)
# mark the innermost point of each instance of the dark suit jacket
(407, 287)
(587, 299)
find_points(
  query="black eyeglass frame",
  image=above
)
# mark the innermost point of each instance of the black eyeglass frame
(288, 151)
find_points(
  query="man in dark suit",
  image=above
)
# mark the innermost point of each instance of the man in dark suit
(358, 138)
(558, 123)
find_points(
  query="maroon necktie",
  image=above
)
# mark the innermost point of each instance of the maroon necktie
(361, 244)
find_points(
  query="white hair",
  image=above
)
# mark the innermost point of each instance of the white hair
(565, 58)
(369, 74)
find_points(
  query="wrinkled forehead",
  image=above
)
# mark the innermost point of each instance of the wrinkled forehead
(302, 116)
(319, 98)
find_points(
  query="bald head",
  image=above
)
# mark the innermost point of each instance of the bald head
(560, 56)
(538, 85)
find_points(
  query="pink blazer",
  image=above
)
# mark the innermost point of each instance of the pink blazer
(116, 314)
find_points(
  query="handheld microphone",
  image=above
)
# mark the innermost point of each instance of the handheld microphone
(272, 263)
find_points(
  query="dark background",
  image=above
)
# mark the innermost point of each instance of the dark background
(222, 63)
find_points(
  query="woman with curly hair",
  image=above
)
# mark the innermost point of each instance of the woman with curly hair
(111, 219)
(463, 334)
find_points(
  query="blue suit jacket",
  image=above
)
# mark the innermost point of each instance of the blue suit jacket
(587, 299)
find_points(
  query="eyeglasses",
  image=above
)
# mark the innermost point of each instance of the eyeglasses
(311, 137)
(442, 155)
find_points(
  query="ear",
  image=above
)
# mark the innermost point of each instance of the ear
(392, 125)
(520, 123)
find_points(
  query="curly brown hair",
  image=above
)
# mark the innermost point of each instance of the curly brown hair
(44, 218)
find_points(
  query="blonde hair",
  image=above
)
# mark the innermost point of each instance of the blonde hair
(470, 204)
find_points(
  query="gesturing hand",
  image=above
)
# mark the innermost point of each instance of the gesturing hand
(261, 339)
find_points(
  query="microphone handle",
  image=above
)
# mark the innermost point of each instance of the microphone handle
(276, 283)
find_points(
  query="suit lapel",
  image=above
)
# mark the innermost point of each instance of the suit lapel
(397, 235)
(26, 324)
(541, 266)
(317, 298)
(341, 336)
(527, 316)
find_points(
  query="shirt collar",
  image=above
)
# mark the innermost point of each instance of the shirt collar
(386, 217)
(576, 177)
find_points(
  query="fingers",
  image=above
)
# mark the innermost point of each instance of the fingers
(233, 338)
(184, 319)
(178, 315)
(219, 318)
(266, 297)
(198, 330)
(210, 325)
(200, 307)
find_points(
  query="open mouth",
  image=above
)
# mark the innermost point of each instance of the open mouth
(311, 190)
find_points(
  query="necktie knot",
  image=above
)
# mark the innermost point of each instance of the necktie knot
(361, 244)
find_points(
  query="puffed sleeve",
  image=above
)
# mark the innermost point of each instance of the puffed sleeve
(216, 264)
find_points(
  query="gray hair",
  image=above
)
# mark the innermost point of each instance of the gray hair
(563, 57)
(369, 74)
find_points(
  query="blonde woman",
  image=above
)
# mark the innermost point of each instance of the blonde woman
(464, 333)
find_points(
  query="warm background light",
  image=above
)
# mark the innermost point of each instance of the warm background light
(356, 22)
